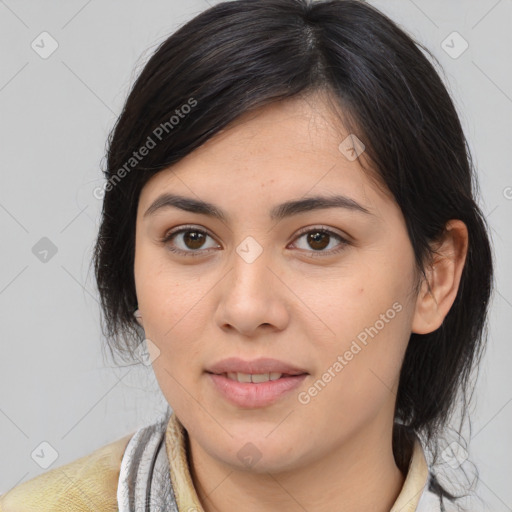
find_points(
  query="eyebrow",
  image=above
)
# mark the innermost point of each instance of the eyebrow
(278, 212)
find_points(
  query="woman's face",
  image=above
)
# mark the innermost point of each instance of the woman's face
(336, 305)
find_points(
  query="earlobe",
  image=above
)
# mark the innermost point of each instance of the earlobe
(439, 289)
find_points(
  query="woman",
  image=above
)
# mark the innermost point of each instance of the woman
(290, 224)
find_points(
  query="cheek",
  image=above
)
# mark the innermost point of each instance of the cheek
(176, 324)
(358, 377)
(174, 312)
(367, 314)
(165, 293)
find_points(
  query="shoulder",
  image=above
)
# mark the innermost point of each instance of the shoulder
(88, 483)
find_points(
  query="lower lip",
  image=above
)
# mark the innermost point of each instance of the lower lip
(252, 395)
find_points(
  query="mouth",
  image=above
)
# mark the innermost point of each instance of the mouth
(249, 384)
(256, 378)
(256, 370)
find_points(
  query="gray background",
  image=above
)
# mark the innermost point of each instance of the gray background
(57, 385)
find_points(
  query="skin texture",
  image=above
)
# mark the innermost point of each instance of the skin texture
(307, 310)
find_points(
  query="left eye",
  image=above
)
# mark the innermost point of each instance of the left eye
(319, 239)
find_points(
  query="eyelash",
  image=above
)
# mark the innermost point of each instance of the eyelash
(343, 242)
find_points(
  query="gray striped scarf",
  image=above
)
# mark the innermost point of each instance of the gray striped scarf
(144, 478)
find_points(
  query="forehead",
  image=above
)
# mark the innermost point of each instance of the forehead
(287, 149)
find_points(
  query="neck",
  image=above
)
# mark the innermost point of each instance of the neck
(359, 474)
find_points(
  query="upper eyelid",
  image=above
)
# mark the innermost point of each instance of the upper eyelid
(320, 227)
(184, 229)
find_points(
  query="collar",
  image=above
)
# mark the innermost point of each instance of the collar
(186, 497)
(416, 481)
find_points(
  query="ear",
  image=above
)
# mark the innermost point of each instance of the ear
(138, 317)
(439, 290)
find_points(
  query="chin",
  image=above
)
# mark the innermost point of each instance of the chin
(257, 453)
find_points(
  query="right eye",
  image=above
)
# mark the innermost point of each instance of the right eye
(189, 239)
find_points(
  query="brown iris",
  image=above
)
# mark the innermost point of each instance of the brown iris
(193, 239)
(318, 239)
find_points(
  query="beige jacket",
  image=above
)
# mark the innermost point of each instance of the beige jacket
(91, 482)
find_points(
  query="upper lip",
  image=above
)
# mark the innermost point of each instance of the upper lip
(256, 366)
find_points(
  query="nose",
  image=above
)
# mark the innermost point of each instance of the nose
(252, 298)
